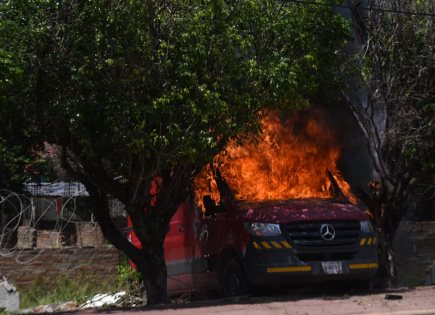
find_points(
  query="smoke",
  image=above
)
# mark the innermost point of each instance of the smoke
(354, 161)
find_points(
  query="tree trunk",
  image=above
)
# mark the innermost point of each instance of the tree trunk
(152, 268)
(149, 261)
(385, 218)
(387, 272)
(150, 217)
(151, 232)
(154, 275)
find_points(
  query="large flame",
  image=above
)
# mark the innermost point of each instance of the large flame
(294, 158)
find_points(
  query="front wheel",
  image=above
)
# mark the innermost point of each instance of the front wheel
(360, 284)
(233, 280)
(367, 284)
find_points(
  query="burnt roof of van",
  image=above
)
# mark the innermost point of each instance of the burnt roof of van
(247, 204)
(291, 210)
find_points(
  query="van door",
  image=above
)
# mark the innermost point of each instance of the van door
(179, 250)
(211, 233)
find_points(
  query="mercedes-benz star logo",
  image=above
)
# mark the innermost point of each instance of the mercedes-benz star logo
(327, 232)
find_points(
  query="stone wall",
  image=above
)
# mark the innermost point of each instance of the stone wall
(81, 234)
(26, 266)
(48, 239)
(26, 237)
(89, 235)
(415, 249)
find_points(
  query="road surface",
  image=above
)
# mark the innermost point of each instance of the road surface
(418, 301)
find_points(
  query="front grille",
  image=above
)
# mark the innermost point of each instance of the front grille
(306, 235)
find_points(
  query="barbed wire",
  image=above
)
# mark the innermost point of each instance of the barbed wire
(21, 210)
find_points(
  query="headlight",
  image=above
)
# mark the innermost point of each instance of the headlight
(262, 229)
(366, 227)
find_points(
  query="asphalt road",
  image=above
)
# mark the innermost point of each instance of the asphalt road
(417, 301)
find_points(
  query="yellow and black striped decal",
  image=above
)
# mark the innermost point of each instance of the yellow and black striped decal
(368, 241)
(271, 245)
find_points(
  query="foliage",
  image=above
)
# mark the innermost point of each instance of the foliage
(146, 93)
(20, 141)
(13, 156)
(129, 278)
(79, 288)
(122, 82)
(20, 161)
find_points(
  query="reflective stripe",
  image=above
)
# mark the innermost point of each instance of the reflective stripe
(266, 245)
(370, 241)
(362, 242)
(289, 269)
(364, 266)
(374, 240)
(276, 244)
(271, 244)
(286, 244)
(256, 245)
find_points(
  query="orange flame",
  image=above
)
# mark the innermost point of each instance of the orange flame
(295, 158)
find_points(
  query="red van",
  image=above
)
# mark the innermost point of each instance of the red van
(238, 244)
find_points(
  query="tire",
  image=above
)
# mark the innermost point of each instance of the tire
(361, 284)
(233, 280)
(367, 284)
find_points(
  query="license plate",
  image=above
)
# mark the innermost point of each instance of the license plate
(332, 267)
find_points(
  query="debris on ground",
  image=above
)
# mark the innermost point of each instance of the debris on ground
(104, 299)
(9, 296)
(118, 299)
(51, 308)
(393, 297)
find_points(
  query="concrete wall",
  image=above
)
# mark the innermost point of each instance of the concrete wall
(26, 266)
(415, 249)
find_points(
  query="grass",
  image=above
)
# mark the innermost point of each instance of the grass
(78, 288)
(63, 289)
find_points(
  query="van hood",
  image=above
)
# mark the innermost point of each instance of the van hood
(286, 211)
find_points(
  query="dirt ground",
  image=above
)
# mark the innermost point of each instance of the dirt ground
(417, 301)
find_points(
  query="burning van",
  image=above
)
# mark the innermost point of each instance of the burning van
(274, 212)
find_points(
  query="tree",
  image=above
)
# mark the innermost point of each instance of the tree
(146, 93)
(19, 141)
(395, 109)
